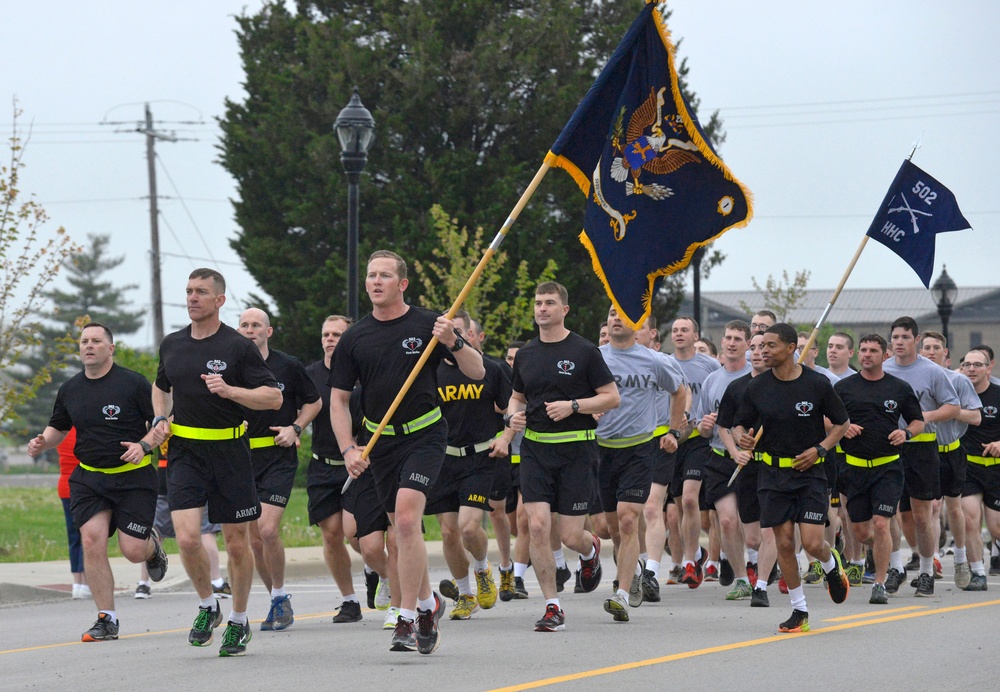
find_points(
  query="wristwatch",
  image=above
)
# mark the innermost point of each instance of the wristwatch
(297, 428)
(146, 449)
(675, 432)
(459, 344)
(576, 406)
(506, 419)
(909, 435)
(821, 451)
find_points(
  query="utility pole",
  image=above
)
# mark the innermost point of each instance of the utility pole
(154, 222)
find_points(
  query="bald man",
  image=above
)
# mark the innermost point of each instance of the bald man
(274, 439)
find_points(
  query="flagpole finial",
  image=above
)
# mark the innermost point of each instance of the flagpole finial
(916, 145)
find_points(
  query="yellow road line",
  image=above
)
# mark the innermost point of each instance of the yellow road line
(861, 616)
(876, 618)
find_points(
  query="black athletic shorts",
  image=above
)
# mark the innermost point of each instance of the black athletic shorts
(502, 481)
(790, 495)
(663, 464)
(562, 475)
(361, 502)
(218, 474)
(747, 499)
(715, 479)
(954, 467)
(130, 496)
(323, 484)
(274, 474)
(408, 461)
(463, 482)
(692, 457)
(985, 481)
(515, 484)
(922, 471)
(872, 491)
(625, 475)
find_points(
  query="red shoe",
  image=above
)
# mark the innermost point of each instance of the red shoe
(752, 574)
(590, 570)
(691, 577)
(711, 573)
(782, 585)
(938, 572)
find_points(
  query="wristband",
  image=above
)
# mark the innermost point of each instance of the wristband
(345, 451)
(146, 449)
(156, 421)
(297, 428)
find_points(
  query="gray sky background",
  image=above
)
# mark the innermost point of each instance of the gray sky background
(821, 103)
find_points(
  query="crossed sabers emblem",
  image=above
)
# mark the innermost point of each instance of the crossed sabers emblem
(909, 210)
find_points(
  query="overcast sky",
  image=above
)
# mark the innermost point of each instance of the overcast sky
(821, 102)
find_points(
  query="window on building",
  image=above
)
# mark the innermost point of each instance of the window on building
(975, 339)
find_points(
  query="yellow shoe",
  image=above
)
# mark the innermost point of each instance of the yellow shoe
(465, 606)
(486, 588)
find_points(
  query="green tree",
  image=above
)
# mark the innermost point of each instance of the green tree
(781, 297)
(467, 96)
(29, 264)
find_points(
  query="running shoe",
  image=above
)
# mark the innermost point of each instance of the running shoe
(371, 586)
(839, 543)
(740, 591)
(650, 587)
(836, 580)
(977, 582)
(752, 572)
(963, 575)
(486, 587)
(759, 599)
(814, 574)
(281, 613)
(383, 596)
(799, 622)
(428, 634)
(782, 585)
(675, 575)
(711, 573)
(520, 593)
(553, 621)
(142, 592)
(391, 617)
(204, 623)
(879, 596)
(103, 630)
(590, 570)
(349, 611)
(449, 589)
(635, 588)
(869, 574)
(235, 639)
(774, 575)
(223, 591)
(925, 586)
(913, 564)
(404, 636)
(507, 588)
(577, 588)
(855, 573)
(995, 565)
(157, 564)
(563, 575)
(465, 606)
(938, 569)
(617, 607)
(691, 576)
(893, 580)
(726, 572)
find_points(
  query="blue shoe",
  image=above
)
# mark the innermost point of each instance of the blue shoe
(281, 614)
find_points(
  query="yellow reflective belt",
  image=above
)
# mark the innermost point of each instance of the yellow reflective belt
(661, 430)
(556, 438)
(210, 434)
(924, 437)
(948, 448)
(782, 462)
(515, 458)
(146, 461)
(258, 442)
(694, 433)
(624, 442)
(984, 461)
(720, 452)
(328, 461)
(870, 463)
(415, 425)
(468, 450)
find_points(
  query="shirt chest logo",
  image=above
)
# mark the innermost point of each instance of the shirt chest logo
(890, 406)
(216, 365)
(990, 411)
(804, 408)
(412, 344)
(281, 386)
(565, 367)
(111, 412)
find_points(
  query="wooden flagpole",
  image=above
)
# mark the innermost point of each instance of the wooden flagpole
(490, 251)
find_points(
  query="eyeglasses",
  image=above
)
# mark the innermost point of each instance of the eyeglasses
(970, 364)
(756, 326)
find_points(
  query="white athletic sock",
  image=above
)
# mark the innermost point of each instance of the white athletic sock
(111, 614)
(960, 556)
(722, 555)
(654, 567)
(410, 615)
(144, 583)
(623, 593)
(278, 593)
(590, 555)
(798, 596)
(978, 568)
(711, 563)
(859, 563)
(686, 563)
(644, 556)
(926, 565)
(209, 602)
(464, 586)
(553, 601)
(761, 584)
(353, 598)
(368, 570)
(218, 582)
(520, 568)
(896, 560)
(426, 604)
(238, 618)
(480, 565)
(752, 555)
(559, 558)
(829, 564)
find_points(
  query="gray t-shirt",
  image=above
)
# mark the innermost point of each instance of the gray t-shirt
(951, 430)
(695, 370)
(663, 396)
(708, 401)
(640, 375)
(932, 386)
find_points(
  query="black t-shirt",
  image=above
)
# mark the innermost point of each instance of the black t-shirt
(296, 388)
(984, 433)
(324, 443)
(731, 401)
(469, 405)
(791, 412)
(381, 355)
(547, 371)
(183, 360)
(876, 407)
(106, 411)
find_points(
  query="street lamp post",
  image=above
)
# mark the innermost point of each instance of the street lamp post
(356, 130)
(944, 292)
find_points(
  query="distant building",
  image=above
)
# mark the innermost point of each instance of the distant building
(974, 320)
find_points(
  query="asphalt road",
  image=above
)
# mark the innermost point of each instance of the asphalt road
(693, 638)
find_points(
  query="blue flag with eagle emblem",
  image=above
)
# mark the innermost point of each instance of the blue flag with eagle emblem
(656, 190)
(915, 209)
